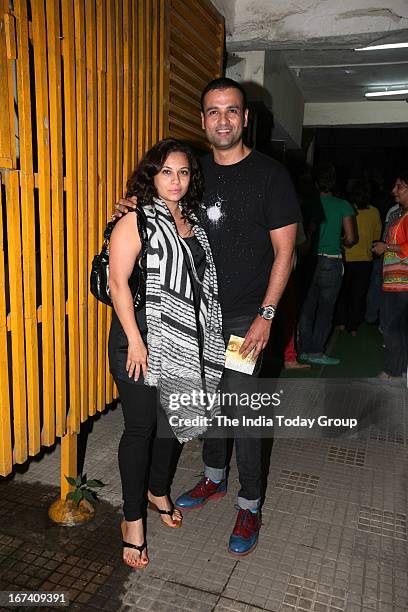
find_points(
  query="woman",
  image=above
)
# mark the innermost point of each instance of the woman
(351, 306)
(171, 344)
(394, 315)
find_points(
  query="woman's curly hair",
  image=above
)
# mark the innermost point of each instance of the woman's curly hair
(141, 181)
(403, 175)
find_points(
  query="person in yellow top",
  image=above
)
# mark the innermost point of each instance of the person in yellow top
(358, 260)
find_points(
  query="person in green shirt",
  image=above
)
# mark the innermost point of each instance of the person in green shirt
(336, 230)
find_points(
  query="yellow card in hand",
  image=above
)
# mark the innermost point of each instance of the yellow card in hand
(233, 358)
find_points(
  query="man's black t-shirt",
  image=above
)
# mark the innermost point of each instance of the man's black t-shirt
(241, 203)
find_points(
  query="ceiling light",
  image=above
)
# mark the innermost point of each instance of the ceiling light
(390, 46)
(386, 92)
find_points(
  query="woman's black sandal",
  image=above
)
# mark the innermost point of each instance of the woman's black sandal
(173, 511)
(139, 547)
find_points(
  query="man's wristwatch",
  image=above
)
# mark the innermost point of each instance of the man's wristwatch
(267, 312)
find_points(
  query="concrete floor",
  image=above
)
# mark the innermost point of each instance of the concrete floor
(334, 533)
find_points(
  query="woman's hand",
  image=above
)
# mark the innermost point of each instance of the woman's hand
(137, 359)
(379, 247)
(123, 206)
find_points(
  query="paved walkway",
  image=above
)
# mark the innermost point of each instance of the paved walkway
(334, 534)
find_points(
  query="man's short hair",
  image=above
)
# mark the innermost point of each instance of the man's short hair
(359, 193)
(223, 83)
(325, 176)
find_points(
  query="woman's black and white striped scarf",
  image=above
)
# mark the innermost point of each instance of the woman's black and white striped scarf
(174, 365)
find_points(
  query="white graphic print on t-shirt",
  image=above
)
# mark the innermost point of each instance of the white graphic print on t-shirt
(215, 210)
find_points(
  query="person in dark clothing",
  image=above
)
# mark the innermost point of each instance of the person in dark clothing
(250, 212)
(351, 305)
(172, 342)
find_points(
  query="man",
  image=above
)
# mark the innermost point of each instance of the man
(317, 312)
(250, 213)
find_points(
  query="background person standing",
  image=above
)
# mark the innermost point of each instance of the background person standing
(351, 305)
(317, 312)
(394, 315)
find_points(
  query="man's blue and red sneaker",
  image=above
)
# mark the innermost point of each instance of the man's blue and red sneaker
(199, 495)
(244, 537)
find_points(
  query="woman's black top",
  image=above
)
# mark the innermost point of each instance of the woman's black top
(198, 254)
(118, 343)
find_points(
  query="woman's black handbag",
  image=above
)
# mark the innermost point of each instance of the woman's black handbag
(99, 280)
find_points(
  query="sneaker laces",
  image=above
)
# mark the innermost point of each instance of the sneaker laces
(200, 486)
(246, 521)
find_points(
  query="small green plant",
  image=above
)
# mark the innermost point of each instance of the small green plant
(84, 489)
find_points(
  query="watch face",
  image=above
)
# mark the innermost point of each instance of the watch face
(267, 312)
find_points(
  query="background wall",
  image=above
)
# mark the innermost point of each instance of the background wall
(355, 113)
(267, 79)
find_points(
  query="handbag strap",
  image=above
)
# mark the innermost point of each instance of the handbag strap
(141, 226)
(108, 231)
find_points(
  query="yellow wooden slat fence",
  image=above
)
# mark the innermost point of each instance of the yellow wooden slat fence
(57, 214)
(92, 174)
(6, 444)
(87, 86)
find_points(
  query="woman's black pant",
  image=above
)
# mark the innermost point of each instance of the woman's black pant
(351, 305)
(148, 450)
(395, 331)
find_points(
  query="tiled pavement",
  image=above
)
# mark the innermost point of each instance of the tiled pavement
(334, 534)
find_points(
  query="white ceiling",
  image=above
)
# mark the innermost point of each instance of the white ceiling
(338, 75)
(318, 37)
